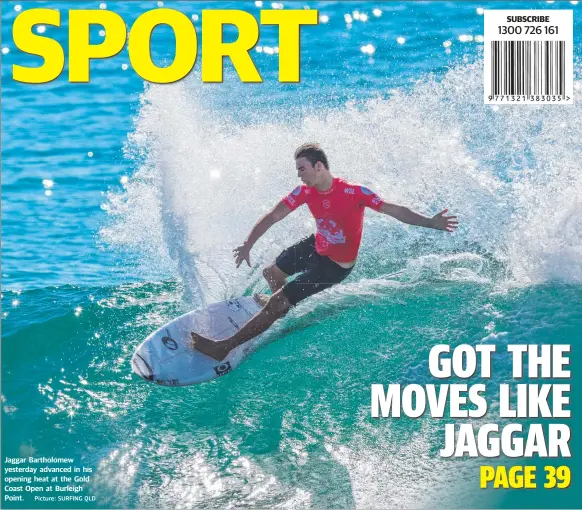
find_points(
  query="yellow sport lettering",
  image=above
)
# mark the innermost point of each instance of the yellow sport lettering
(516, 477)
(49, 49)
(214, 49)
(81, 51)
(289, 34)
(486, 475)
(557, 477)
(186, 46)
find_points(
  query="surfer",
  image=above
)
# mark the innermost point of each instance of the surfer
(322, 259)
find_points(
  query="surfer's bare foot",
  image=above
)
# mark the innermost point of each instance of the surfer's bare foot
(216, 350)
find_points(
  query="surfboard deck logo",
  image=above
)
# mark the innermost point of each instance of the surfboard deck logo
(234, 305)
(169, 342)
(223, 368)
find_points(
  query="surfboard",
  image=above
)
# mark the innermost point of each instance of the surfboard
(166, 357)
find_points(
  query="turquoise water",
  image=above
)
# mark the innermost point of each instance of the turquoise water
(151, 188)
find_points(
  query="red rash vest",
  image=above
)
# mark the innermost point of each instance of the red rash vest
(339, 216)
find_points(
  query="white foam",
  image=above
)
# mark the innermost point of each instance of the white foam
(202, 180)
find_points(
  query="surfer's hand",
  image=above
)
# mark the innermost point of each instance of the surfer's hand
(242, 253)
(442, 222)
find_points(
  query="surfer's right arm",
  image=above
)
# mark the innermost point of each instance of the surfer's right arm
(276, 214)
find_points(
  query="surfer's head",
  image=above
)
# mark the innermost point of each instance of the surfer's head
(311, 163)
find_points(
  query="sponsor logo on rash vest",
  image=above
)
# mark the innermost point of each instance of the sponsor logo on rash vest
(330, 231)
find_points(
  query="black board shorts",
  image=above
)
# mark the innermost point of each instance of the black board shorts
(318, 272)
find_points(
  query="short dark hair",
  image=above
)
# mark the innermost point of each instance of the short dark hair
(312, 152)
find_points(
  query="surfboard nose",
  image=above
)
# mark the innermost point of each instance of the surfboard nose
(141, 367)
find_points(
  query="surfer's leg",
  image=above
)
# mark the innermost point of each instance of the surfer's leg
(277, 306)
(275, 277)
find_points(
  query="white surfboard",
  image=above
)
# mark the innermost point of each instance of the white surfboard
(167, 358)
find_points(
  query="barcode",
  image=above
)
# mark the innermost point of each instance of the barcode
(528, 68)
(528, 56)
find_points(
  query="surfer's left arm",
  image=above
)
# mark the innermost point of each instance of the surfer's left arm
(405, 215)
